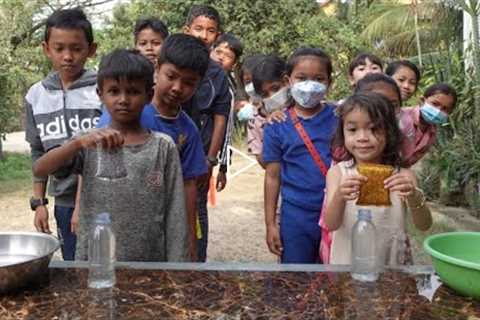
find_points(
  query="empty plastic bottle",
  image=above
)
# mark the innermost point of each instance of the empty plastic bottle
(364, 254)
(101, 253)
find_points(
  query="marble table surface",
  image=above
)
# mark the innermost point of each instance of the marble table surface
(238, 291)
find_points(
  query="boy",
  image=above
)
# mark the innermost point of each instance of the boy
(149, 34)
(148, 206)
(177, 75)
(58, 106)
(227, 51)
(209, 108)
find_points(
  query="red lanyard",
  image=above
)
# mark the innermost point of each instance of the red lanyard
(308, 143)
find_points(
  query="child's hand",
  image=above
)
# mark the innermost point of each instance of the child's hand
(107, 138)
(276, 116)
(74, 220)
(403, 182)
(221, 181)
(273, 240)
(349, 188)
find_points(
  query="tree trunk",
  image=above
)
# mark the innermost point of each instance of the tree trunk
(1, 148)
(474, 15)
(417, 33)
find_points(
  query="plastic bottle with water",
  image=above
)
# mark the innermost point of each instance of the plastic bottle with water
(101, 253)
(364, 254)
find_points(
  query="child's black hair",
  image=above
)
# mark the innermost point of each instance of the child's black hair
(361, 60)
(69, 19)
(199, 10)
(395, 65)
(382, 114)
(150, 23)
(315, 52)
(367, 82)
(269, 68)
(185, 52)
(444, 88)
(123, 63)
(232, 43)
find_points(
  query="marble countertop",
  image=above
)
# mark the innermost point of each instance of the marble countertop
(238, 291)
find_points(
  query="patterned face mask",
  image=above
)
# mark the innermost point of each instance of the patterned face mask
(309, 94)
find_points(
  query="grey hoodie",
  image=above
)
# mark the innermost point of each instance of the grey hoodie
(53, 115)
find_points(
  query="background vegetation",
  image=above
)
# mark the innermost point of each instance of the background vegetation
(427, 32)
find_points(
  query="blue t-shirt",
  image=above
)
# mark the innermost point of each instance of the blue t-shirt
(183, 132)
(302, 183)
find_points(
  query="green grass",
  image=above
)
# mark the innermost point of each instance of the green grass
(15, 171)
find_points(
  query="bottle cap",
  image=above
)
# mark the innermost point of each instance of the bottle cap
(103, 218)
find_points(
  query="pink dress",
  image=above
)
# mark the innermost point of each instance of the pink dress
(416, 140)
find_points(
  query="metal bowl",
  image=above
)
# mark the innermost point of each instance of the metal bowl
(24, 258)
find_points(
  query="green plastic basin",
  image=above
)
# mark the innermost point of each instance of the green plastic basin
(456, 259)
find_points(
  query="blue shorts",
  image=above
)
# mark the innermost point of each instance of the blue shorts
(300, 234)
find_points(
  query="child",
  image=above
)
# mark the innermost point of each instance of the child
(297, 153)
(149, 34)
(251, 101)
(147, 206)
(419, 124)
(384, 85)
(369, 133)
(363, 64)
(227, 51)
(406, 75)
(57, 107)
(268, 77)
(183, 60)
(209, 108)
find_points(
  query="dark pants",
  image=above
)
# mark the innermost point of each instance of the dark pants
(300, 234)
(63, 216)
(202, 243)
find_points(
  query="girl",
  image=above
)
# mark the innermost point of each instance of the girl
(406, 75)
(369, 133)
(419, 124)
(296, 153)
(384, 85)
(363, 64)
(246, 109)
(268, 79)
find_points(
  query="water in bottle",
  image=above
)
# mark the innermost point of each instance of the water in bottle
(364, 254)
(101, 253)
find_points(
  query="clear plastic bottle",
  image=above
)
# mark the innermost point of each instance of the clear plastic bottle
(101, 253)
(364, 254)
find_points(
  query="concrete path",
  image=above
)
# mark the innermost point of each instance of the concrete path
(16, 142)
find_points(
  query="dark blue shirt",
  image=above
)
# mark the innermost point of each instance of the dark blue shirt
(302, 183)
(183, 132)
(211, 98)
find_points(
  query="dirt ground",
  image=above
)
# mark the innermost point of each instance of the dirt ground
(237, 232)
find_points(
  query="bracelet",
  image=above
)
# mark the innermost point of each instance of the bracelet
(422, 201)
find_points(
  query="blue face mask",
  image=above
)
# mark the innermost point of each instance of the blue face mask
(433, 115)
(309, 94)
(247, 112)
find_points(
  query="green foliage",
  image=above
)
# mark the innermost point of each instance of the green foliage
(263, 27)
(15, 166)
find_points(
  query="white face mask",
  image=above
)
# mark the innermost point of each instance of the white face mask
(277, 101)
(250, 90)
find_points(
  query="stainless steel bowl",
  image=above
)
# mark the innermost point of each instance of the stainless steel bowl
(24, 258)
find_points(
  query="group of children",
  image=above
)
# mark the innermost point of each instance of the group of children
(170, 105)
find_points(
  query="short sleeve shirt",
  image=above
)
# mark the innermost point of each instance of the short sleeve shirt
(302, 183)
